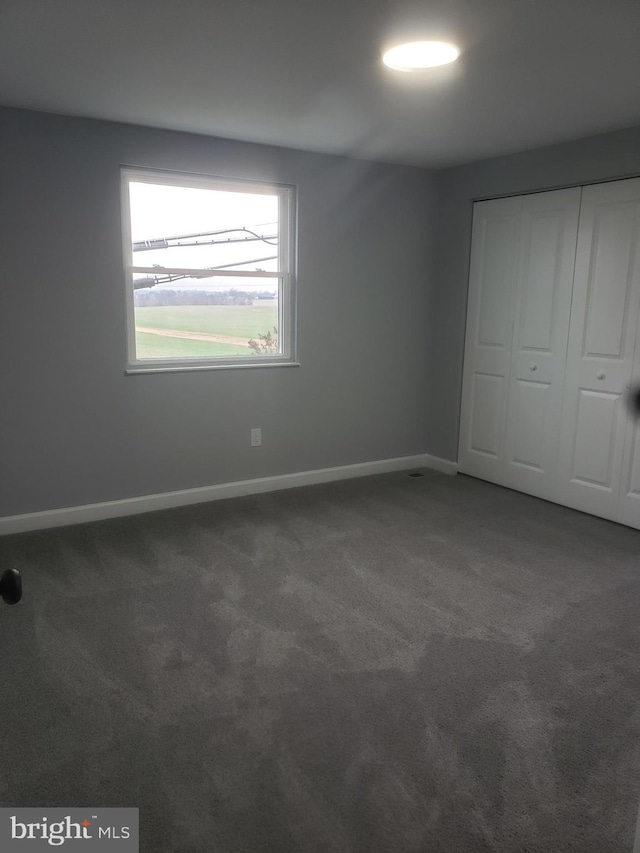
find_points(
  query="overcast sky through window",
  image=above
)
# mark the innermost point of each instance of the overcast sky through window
(159, 211)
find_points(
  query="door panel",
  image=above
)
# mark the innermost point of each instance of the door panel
(609, 286)
(495, 278)
(595, 432)
(548, 234)
(629, 506)
(486, 404)
(488, 342)
(593, 450)
(529, 405)
(540, 281)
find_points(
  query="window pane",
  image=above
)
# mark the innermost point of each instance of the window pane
(188, 227)
(205, 318)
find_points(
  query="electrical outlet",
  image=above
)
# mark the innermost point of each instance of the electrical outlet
(256, 437)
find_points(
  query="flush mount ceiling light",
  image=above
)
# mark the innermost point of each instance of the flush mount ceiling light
(417, 55)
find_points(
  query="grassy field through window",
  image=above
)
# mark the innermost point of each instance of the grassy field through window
(201, 331)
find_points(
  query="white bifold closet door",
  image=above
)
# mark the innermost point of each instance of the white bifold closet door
(599, 459)
(521, 274)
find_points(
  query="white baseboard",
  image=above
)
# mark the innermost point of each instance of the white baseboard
(167, 500)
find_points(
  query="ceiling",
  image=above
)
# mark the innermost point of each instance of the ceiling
(307, 73)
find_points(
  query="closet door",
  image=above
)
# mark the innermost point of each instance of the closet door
(522, 256)
(494, 256)
(547, 246)
(604, 319)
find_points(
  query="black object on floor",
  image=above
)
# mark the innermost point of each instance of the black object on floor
(11, 586)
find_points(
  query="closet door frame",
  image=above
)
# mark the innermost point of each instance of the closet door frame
(598, 451)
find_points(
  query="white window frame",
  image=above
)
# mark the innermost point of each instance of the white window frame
(285, 275)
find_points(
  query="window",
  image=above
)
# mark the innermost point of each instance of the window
(209, 267)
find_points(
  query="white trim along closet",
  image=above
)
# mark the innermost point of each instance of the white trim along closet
(553, 347)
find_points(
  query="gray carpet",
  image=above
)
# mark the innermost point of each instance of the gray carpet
(385, 664)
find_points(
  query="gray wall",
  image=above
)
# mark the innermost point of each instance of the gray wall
(74, 429)
(605, 157)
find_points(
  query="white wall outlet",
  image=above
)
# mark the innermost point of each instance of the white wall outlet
(256, 437)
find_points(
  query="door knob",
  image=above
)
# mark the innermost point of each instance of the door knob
(601, 375)
(533, 367)
(11, 586)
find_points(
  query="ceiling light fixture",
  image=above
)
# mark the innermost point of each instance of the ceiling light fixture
(417, 55)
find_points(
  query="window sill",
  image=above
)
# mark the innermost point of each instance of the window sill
(175, 368)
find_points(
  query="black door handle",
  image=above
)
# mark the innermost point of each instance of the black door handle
(11, 586)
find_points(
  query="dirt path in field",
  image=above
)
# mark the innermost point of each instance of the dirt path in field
(193, 336)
